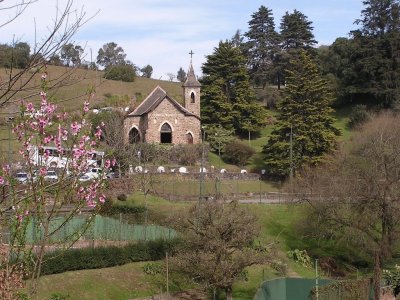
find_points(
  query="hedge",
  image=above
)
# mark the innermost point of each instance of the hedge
(103, 257)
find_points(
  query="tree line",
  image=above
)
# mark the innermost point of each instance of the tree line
(363, 68)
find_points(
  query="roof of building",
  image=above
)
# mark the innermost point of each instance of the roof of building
(153, 100)
(191, 80)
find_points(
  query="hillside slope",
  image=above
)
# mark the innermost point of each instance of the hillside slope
(69, 87)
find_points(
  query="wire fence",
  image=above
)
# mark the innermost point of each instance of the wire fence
(99, 229)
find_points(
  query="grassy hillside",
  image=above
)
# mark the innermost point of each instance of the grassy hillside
(69, 86)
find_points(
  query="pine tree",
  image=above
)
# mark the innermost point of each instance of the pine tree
(227, 97)
(296, 35)
(304, 117)
(296, 31)
(262, 47)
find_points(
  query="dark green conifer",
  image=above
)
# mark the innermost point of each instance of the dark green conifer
(305, 111)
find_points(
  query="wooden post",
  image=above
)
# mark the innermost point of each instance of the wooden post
(166, 258)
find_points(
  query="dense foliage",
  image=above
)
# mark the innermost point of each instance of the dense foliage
(262, 47)
(304, 130)
(103, 257)
(16, 56)
(237, 152)
(366, 66)
(124, 72)
(227, 98)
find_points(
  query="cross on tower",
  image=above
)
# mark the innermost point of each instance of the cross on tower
(191, 54)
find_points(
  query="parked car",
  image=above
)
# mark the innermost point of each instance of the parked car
(51, 176)
(93, 173)
(22, 177)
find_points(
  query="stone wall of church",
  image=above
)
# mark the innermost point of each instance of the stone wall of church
(180, 124)
(150, 125)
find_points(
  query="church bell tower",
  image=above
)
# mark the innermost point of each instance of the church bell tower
(191, 90)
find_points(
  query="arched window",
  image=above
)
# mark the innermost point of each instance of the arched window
(134, 136)
(189, 138)
(192, 97)
(166, 134)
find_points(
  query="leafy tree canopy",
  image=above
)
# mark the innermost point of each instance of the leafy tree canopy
(125, 72)
(181, 75)
(71, 53)
(147, 71)
(16, 56)
(110, 55)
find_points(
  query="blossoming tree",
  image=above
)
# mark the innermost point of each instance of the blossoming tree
(43, 207)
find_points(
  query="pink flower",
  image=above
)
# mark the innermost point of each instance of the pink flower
(30, 107)
(98, 132)
(2, 180)
(86, 106)
(42, 171)
(44, 76)
(107, 164)
(75, 128)
(102, 199)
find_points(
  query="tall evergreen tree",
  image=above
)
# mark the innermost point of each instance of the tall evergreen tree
(304, 121)
(296, 35)
(296, 31)
(262, 47)
(227, 97)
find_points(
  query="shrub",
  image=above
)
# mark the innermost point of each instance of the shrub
(237, 153)
(359, 115)
(103, 257)
(124, 72)
(186, 154)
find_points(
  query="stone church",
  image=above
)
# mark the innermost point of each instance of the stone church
(161, 119)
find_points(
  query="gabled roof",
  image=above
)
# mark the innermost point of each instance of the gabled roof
(153, 100)
(191, 80)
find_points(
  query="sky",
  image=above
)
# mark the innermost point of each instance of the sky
(163, 32)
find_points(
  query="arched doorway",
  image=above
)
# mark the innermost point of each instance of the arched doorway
(134, 136)
(166, 134)
(189, 138)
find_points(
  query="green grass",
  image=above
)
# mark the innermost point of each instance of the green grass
(122, 282)
(342, 116)
(277, 224)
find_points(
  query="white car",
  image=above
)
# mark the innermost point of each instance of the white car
(51, 176)
(93, 173)
(22, 177)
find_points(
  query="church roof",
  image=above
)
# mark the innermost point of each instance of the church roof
(153, 100)
(191, 80)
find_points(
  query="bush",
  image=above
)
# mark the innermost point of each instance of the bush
(124, 72)
(186, 154)
(359, 115)
(104, 257)
(109, 209)
(237, 153)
